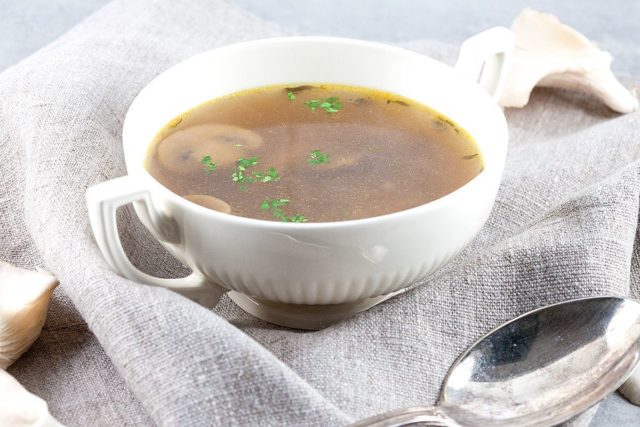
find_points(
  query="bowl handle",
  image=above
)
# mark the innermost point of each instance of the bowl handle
(103, 200)
(486, 58)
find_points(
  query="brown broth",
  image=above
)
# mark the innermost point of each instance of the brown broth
(386, 153)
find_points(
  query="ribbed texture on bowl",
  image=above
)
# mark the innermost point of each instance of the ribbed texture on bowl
(320, 292)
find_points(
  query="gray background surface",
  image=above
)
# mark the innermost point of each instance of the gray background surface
(27, 25)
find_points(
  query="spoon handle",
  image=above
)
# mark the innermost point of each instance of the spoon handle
(428, 416)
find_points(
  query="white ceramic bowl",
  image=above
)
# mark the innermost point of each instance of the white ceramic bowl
(351, 264)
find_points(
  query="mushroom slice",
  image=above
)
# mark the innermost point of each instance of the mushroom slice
(209, 202)
(19, 408)
(342, 161)
(24, 299)
(183, 150)
(549, 53)
(297, 89)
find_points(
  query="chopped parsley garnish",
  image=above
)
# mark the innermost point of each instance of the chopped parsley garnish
(271, 175)
(296, 218)
(208, 164)
(330, 105)
(241, 175)
(238, 174)
(314, 104)
(291, 96)
(276, 205)
(317, 157)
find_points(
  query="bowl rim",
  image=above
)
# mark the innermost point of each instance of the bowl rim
(439, 203)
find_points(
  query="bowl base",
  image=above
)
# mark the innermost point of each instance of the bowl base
(301, 316)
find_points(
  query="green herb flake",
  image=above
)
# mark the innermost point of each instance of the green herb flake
(238, 145)
(276, 205)
(317, 157)
(241, 176)
(291, 96)
(330, 105)
(271, 175)
(313, 104)
(297, 218)
(208, 164)
(241, 167)
(238, 175)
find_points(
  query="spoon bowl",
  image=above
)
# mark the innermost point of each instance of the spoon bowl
(539, 369)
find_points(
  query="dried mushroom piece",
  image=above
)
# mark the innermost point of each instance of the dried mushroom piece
(183, 149)
(341, 161)
(549, 53)
(209, 202)
(24, 299)
(19, 408)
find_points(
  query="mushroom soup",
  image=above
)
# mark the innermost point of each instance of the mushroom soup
(312, 153)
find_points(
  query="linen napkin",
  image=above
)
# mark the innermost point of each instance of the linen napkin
(117, 353)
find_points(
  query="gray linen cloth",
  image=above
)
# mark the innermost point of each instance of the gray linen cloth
(117, 353)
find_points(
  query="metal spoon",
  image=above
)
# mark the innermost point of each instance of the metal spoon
(539, 369)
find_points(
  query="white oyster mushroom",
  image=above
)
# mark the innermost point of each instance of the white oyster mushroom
(549, 53)
(19, 408)
(24, 299)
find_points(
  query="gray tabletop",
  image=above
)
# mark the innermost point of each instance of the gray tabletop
(26, 26)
